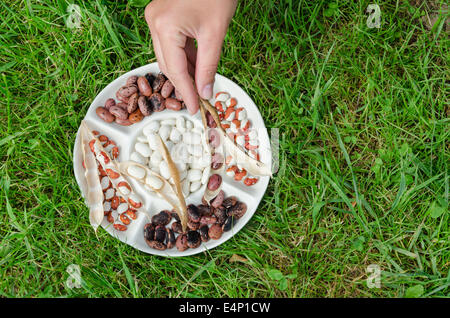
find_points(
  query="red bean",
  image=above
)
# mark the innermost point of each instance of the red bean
(214, 182)
(172, 103)
(104, 114)
(144, 86)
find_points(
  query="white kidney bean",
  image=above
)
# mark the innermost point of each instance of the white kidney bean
(142, 138)
(169, 122)
(136, 172)
(123, 207)
(205, 175)
(195, 186)
(151, 128)
(189, 125)
(222, 97)
(175, 135)
(152, 141)
(164, 132)
(164, 170)
(154, 182)
(143, 149)
(181, 124)
(194, 175)
(137, 157)
(156, 159)
(185, 186)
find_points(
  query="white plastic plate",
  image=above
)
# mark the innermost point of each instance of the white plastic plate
(125, 137)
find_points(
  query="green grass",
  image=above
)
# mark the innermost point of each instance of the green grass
(364, 151)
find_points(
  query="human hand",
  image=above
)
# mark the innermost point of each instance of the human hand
(174, 27)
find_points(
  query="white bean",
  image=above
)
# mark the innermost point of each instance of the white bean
(222, 97)
(195, 186)
(189, 125)
(154, 182)
(164, 132)
(123, 207)
(143, 149)
(156, 159)
(194, 175)
(185, 188)
(164, 170)
(153, 141)
(136, 157)
(109, 193)
(107, 206)
(105, 183)
(142, 138)
(181, 124)
(151, 128)
(169, 122)
(205, 175)
(175, 135)
(136, 172)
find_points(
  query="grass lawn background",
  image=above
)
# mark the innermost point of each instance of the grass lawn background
(364, 151)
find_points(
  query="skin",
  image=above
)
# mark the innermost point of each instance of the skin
(175, 27)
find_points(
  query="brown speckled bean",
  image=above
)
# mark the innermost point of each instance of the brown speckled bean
(122, 105)
(181, 242)
(217, 201)
(214, 182)
(104, 114)
(118, 112)
(144, 87)
(145, 106)
(172, 103)
(157, 102)
(167, 89)
(158, 82)
(123, 122)
(110, 102)
(127, 91)
(216, 161)
(215, 231)
(132, 103)
(132, 80)
(136, 116)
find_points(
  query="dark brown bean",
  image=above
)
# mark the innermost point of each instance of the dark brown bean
(208, 220)
(193, 225)
(177, 227)
(150, 78)
(156, 245)
(123, 122)
(127, 91)
(118, 112)
(160, 233)
(104, 114)
(110, 102)
(144, 86)
(132, 103)
(158, 82)
(193, 239)
(193, 213)
(229, 223)
(217, 201)
(238, 210)
(136, 116)
(215, 231)
(216, 161)
(132, 80)
(170, 238)
(203, 230)
(167, 89)
(157, 102)
(214, 182)
(144, 105)
(229, 202)
(172, 103)
(221, 215)
(149, 232)
(162, 218)
(210, 120)
(175, 215)
(204, 210)
(181, 242)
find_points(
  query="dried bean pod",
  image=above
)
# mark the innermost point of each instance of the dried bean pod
(145, 106)
(104, 114)
(144, 86)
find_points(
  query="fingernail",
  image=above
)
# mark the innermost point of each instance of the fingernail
(207, 91)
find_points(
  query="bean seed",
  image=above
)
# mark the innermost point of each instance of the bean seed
(157, 102)
(176, 227)
(132, 103)
(238, 210)
(160, 233)
(193, 213)
(123, 122)
(162, 218)
(215, 231)
(170, 238)
(144, 86)
(193, 239)
(217, 201)
(104, 114)
(136, 116)
(181, 243)
(149, 232)
(156, 245)
(110, 102)
(172, 103)
(132, 80)
(158, 82)
(118, 112)
(167, 89)
(214, 182)
(127, 91)
(204, 233)
(145, 106)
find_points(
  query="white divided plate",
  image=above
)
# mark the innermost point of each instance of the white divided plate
(125, 137)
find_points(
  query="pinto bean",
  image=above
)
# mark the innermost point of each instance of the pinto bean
(157, 102)
(132, 80)
(118, 112)
(217, 201)
(110, 102)
(104, 114)
(144, 86)
(127, 91)
(122, 105)
(167, 89)
(144, 105)
(123, 122)
(172, 103)
(158, 82)
(132, 103)
(121, 98)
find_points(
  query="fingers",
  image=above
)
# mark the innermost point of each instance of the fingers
(155, 40)
(208, 55)
(173, 50)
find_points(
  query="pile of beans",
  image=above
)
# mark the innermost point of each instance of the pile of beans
(235, 121)
(205, 221)
(140, 97)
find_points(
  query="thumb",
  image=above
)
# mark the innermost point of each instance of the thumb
(208, 55)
